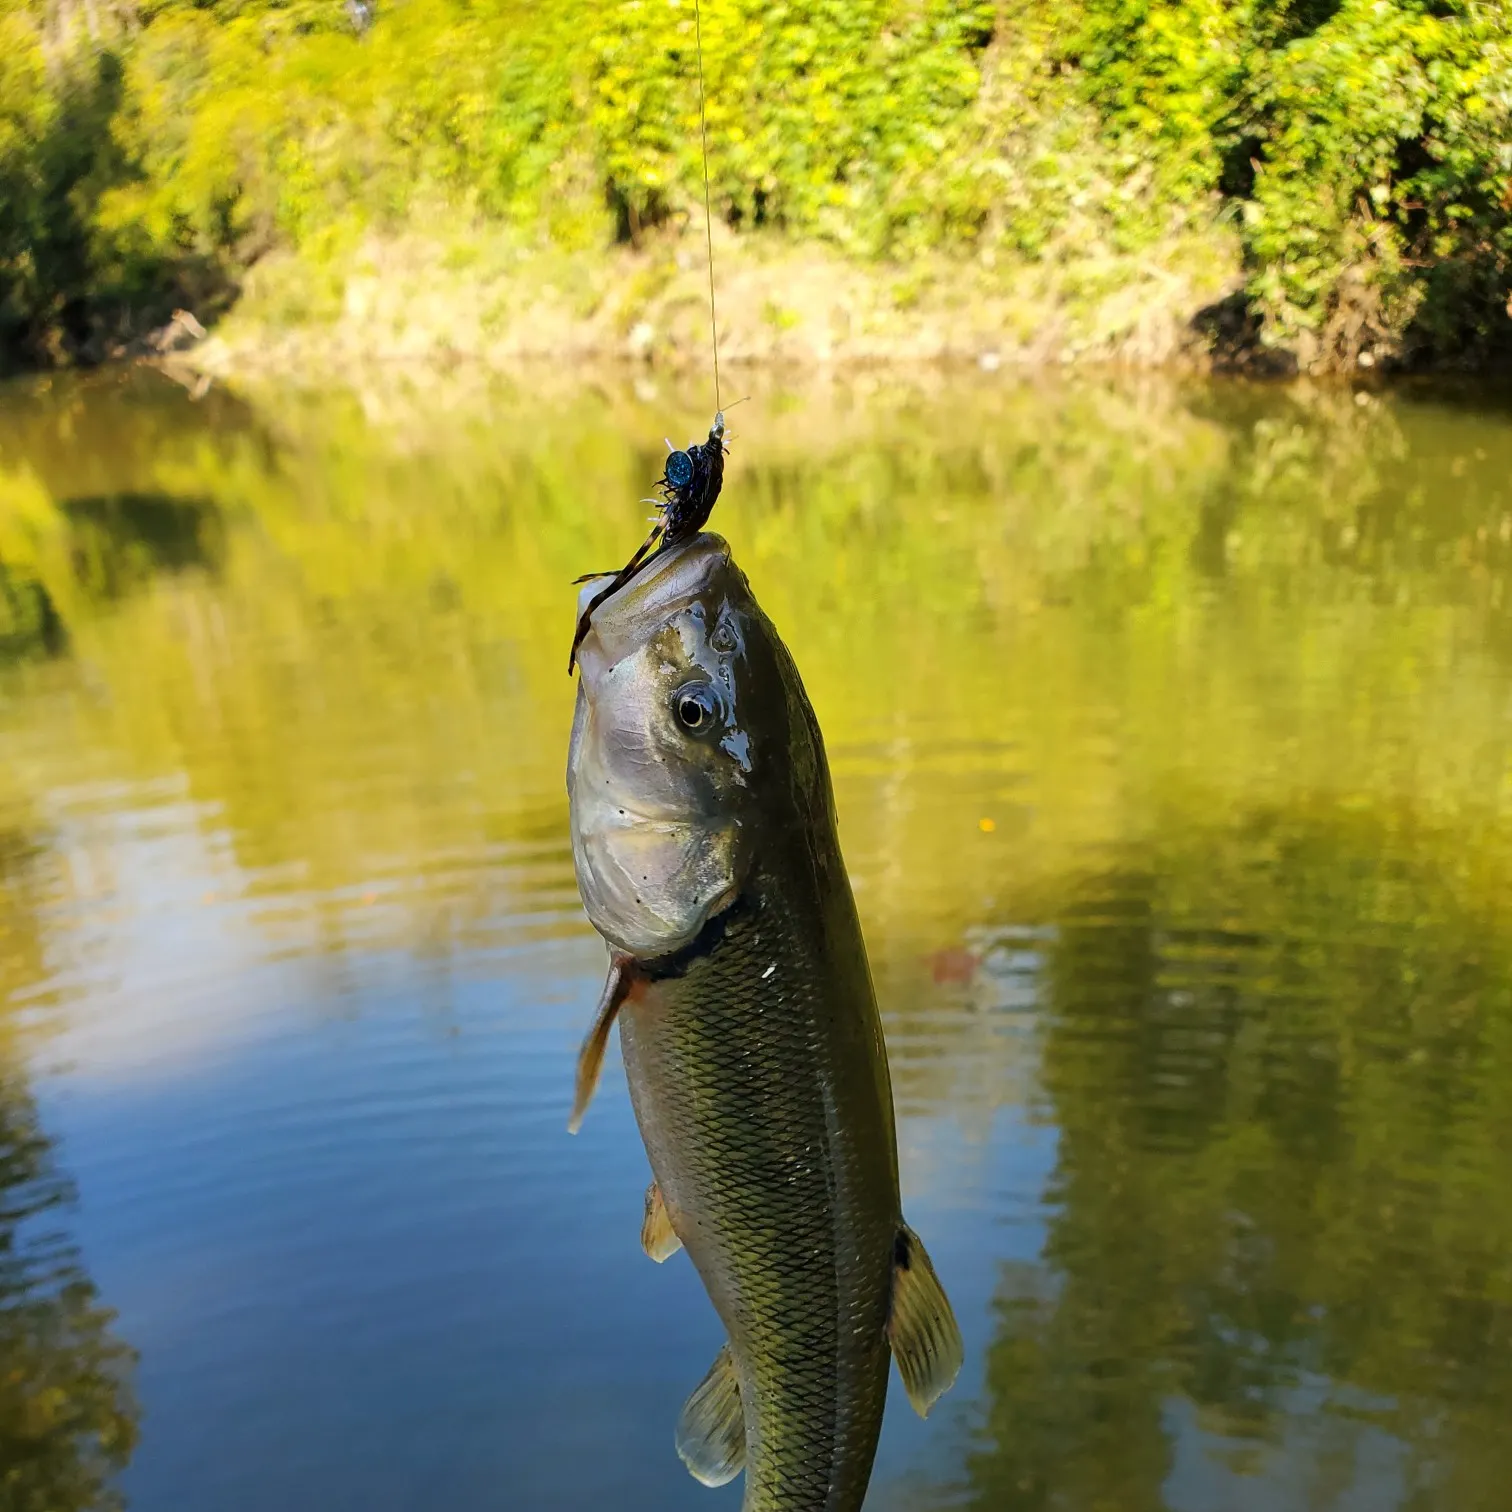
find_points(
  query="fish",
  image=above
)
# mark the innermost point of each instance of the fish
(707, 856)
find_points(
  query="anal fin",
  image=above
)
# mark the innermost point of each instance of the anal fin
(925, 1338)
(617, 988)
(657, 1238)
(711, 1430)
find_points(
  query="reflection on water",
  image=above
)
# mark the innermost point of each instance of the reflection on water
(1278, 1256)
(67, 1421)
(120, 540)
(67, 1417)
(1171, 730)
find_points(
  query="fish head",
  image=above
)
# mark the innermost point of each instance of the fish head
(668, 744)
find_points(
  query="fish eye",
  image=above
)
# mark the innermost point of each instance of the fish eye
(696, 706)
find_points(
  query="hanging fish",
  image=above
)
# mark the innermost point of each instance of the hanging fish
(705, 844)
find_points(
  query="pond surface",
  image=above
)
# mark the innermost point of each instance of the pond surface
(1172, 735)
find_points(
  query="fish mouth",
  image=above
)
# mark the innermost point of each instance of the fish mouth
(670, 582)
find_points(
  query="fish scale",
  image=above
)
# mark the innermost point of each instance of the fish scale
(773, 1179)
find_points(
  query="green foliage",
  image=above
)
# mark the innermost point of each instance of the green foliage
(55, 159)
(1165, 77)
(1364, 147)
(813, 108)
(1386, 191)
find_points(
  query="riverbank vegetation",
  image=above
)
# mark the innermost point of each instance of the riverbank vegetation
(1339, 172)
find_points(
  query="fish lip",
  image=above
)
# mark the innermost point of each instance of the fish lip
(671, 818)
(669, 583)
(700, 556)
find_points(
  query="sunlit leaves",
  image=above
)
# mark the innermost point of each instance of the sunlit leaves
(1363, 148)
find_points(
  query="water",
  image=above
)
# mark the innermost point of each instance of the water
(1171, 731)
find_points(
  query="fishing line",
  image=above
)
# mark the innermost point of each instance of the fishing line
(691, 480)
(703, 131)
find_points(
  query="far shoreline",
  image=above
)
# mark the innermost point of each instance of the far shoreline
(477, 298)
(482, 300)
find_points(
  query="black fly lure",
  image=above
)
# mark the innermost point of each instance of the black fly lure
(689, 489)
(690, 486)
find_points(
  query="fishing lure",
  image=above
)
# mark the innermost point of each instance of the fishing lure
(690, 485)
(689, 488)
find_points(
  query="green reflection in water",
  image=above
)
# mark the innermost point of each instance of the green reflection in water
(1277, 1056)
(68, 1420)
(1205, 688)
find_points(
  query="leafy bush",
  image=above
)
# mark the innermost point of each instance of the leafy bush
(1363, 147)
(56, 157)
(1384, 205)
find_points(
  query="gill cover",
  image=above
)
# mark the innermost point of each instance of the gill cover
(658, 795)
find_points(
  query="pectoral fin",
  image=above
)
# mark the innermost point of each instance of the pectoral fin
(591, 1057)
(925, 1339)
(711, 1430)
(657, 1238)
